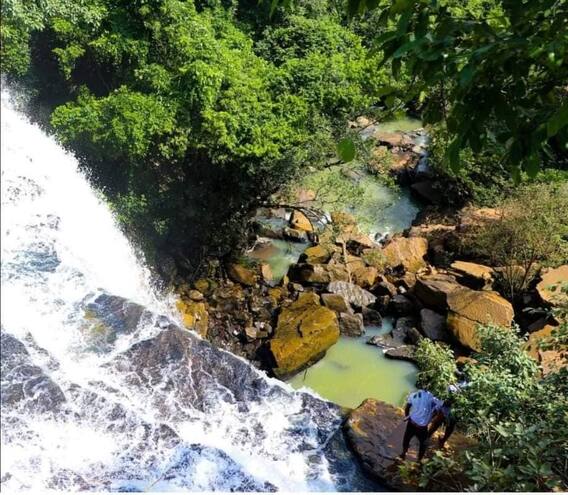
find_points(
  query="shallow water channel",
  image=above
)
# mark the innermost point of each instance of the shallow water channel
(353, 371)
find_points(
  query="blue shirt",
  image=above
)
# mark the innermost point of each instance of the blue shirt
(423, 406)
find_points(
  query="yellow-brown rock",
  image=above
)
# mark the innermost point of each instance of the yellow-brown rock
(550, 287)
(202, 285)
(304, 332)
(549, 360)
(194, 315)
(408, 252)
(365, 276)
(316, 254)
(481, 274)
(470, 308)
(299, 221)
(266, 272)
(242, 275)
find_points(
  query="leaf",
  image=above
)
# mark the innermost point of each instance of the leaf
(466, 75)
(531, 165)
(346, 150)
(558, 120)
(453, 154)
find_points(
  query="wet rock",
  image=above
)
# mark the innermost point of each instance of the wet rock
(403, 353)
(356, 243)
(241, 274)
(473, 275)
(351, 324)
(202, 285)
(375, 430)
(294, 235)
(352, 293)
(336, 302)
(371, 316)
(550, 287)
(433, 325)
(469, 308)
(393, 139)
(194, 316)
(269, 231)
(433, 290)
(427, 191)
(401, 305)
(406, 252)
(405, 330)
(23, 384)
(299, 221)
(305, 330)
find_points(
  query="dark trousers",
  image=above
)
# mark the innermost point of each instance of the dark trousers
(420, 432)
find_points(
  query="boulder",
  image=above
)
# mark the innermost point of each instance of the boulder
(195, 295)
(202, 285)
(433, 290)
(299, 221)
(336, 302)
(384, 288)
(352, 293)
(364, 276)
(375, 430)
(356, 243)
(242, 275)
(473, 275)
(393, 139)
(351, 324)
(469, 308)
(471, 217)
(433, 325)
(294, 235)
(266, 272)
(305, 330)
(403, 353)
(316, 254)
(406, 252)
(550, 287)
(194, 316)
(371, 316)
(549, 360)
(401, 305)
(405, 330)
(317, 273)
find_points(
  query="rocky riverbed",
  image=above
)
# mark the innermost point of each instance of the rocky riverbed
(347, 278)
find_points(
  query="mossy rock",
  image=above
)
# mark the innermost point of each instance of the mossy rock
(304, 332)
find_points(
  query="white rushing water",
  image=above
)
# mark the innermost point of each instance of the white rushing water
(102, 394)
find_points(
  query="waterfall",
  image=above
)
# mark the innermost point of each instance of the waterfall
(101, 390)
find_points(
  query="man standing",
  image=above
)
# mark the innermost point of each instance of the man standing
(421, 406)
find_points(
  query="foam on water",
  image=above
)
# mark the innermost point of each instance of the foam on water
(77, 415)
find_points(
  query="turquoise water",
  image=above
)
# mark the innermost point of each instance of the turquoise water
(353, 371)
(279, 255)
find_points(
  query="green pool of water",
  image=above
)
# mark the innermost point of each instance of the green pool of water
(405, 124)
(353, 371)
(279, 255)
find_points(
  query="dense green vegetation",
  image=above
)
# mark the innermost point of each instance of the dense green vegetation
(170, 102)
(518, 420)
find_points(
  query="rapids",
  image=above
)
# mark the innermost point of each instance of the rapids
(101, 389)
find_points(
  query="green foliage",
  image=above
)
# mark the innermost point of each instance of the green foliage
(169, 102)
(523, 238)
(499, 66)
(518, 421)
(437, 367)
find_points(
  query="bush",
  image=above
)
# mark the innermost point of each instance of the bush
(531, 231)
(517, 419)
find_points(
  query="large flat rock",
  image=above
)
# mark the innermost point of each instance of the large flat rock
(375, 431)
